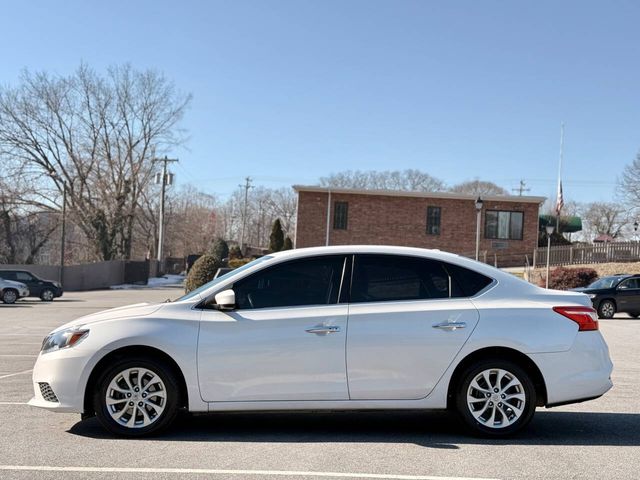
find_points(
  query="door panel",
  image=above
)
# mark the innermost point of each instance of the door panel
(628, 295)
(267, 354)
(394, 351)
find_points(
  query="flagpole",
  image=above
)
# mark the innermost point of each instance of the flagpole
(559, 191)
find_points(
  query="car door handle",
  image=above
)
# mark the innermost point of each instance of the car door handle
(323, 329)
(450, 325)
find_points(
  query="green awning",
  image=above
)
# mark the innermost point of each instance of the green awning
(568, 224)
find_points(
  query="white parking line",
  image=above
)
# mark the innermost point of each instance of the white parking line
(205, 471)
(17, 373)
(14, 403)
(16, 355)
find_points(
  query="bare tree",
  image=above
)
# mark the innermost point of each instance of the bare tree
(479, 187)
(405, 180)
(629, 184)
(95, 136)
(604, 218)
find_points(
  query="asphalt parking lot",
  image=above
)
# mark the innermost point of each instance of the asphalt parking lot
(600, 438)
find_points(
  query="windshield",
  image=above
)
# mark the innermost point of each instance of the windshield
(222, 278)
(606, 282)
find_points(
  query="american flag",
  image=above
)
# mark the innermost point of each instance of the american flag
(559, 199)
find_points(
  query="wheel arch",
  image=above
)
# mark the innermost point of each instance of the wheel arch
(130, 351)
(502, 353)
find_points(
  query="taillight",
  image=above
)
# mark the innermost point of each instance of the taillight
(585, 317)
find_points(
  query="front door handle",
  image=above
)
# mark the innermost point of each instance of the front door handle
(323, 329)
(450, 325)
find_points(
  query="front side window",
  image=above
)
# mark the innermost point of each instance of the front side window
(503, 225)
(23, 277)
(632, 283)
(382, 278)
(340, 214)
(433, 220)
(309, 281)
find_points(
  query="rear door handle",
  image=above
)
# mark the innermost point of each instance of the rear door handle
(323, 329)
(450, 325)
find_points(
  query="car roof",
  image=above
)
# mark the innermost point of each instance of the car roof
(433, 254)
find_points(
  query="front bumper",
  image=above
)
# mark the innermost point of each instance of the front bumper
(582, 372)
(66, 373)
(23, 292)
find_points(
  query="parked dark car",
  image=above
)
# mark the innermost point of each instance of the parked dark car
(46, 290)
(617, 293)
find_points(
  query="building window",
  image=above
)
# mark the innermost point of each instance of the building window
(503, 225)
(340, 212)
(433, 220)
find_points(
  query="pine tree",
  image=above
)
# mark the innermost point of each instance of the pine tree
(288, 244)
(276, 239)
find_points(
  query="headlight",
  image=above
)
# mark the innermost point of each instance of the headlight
(592, 295)
(64, 339)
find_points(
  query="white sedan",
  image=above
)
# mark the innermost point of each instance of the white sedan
(335, 328)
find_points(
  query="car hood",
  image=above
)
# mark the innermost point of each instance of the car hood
(593, 291)
(137, 310)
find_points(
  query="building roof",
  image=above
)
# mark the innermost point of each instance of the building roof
(398, 193)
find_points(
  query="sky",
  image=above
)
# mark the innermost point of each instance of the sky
(289, 91)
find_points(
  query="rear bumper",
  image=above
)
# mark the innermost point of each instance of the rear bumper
(579, 374)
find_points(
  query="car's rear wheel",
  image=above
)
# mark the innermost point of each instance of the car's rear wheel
(495, 398)
(137, 397)
(634, 314)
(606, 309)
(10, 296)
(47, 295)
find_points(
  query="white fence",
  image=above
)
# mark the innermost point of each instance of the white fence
(596, 253)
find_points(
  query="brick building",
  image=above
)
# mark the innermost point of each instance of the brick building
(446, 221)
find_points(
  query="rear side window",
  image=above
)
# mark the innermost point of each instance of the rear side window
(8, 275)
(380, 278)
(314, 281)
(467, 281)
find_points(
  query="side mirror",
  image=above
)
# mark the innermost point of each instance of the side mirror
(225, 300)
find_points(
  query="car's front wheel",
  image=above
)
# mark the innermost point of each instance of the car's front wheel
(137, 397)
(606, 309)
(47, 295)
(495, 398)
(10, 296)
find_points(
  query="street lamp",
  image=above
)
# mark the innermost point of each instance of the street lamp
(479, 203)
(549, 229)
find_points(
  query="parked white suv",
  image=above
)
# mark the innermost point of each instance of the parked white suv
(10, 291)
(333, 328)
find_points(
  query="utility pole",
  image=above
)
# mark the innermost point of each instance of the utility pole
(163, 180)
(521, 188)
(246, 186)
(63, 229)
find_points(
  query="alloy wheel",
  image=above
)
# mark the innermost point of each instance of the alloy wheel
(136, 397)
(607, 309)
(47, 295)
(9, 296)
(496, 398)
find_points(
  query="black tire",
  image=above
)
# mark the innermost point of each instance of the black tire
(10, 296)
(509, 422)
(634, 314)
(47, 295)
(607, 309)
(161, 421)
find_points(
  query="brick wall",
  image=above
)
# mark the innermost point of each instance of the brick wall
(397, 220)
